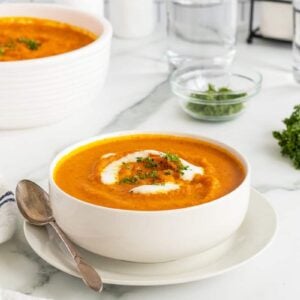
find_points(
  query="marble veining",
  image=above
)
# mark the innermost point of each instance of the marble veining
(137, 113)
(137, 96)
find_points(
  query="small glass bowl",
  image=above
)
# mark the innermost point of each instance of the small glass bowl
(199, 94)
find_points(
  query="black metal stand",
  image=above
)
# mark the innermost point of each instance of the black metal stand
(254, 32)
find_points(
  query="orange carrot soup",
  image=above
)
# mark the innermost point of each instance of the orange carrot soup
(27, 38)
(148, 172)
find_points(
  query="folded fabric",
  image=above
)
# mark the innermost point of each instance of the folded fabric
(8, 213)
(10, 295)
(8, 224)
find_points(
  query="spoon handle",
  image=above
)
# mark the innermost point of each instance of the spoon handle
(88, 274)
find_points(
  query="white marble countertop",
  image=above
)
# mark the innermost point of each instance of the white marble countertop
(137, 96)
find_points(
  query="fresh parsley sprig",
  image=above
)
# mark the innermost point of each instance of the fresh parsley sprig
(289, 138)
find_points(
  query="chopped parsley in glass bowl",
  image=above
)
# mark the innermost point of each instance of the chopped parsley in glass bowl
(214, 94)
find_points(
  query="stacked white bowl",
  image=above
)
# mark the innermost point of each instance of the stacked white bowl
(42, 91)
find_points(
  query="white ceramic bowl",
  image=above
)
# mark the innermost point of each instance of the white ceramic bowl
(41, 91)
(150, 236)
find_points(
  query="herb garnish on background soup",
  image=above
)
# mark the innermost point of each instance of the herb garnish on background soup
(27, 38)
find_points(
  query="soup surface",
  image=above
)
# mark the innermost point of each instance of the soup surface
(28, 38)
(148, 172)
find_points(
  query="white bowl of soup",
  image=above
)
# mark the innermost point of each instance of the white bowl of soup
(53, 62)
(149, 197)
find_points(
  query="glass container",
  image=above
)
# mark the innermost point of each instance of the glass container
(202, 31)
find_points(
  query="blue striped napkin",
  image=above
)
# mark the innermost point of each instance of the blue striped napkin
(7, 197)
(8, 224)
(8, 214)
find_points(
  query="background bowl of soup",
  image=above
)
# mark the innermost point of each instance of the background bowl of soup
(53, 62)
(111, 219)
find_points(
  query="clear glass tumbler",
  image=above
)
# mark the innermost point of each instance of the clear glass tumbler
(296, 41)
(203, 31)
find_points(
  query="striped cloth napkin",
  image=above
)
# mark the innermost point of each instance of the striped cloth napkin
(8, 225)
(8, 213)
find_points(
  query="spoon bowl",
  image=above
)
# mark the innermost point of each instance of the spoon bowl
(33, 202)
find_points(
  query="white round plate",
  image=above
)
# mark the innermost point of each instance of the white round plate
(253, 236)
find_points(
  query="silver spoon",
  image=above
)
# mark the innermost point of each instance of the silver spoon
(33, 202)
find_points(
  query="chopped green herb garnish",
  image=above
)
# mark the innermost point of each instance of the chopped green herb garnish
(215, 109)
(175, 159)
(172, 157)
(183, 168)
(30, 43)
(126, 165)
(156, 166)
(148, 162)
(129, 180)
(289, 139)
(2, 51)
(140, 176)
(152, 174)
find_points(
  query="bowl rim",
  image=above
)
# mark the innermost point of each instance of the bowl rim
(244, 161)
(184, 92)
(101, 42)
